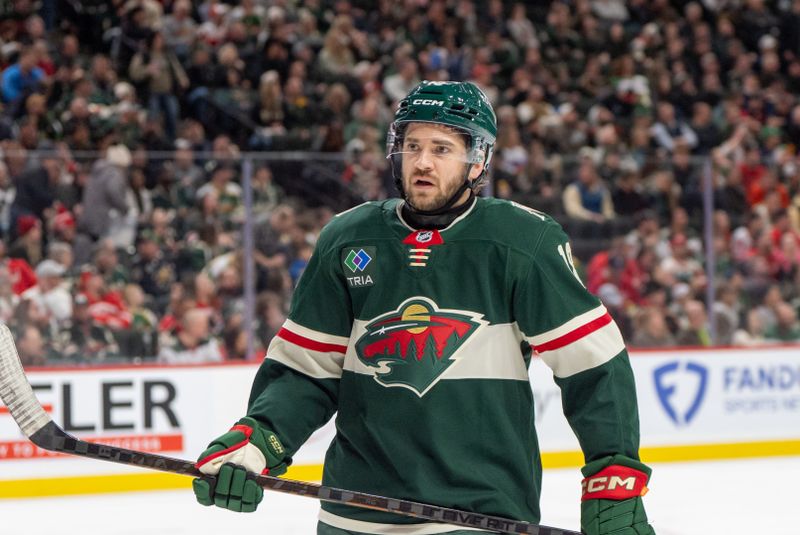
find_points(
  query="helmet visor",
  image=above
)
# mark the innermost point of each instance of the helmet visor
(410, 142)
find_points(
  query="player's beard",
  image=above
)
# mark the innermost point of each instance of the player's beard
(428, 202)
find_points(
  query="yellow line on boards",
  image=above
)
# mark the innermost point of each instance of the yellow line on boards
(101, 484)
(705, 452)
(687, 452)
(66, 486)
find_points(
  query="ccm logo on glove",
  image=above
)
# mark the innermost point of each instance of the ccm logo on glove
(614, 482)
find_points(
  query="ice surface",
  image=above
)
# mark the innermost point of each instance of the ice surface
(698, 498)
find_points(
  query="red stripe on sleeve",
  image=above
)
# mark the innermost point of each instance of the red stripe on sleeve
(307, 343)
(576, 334)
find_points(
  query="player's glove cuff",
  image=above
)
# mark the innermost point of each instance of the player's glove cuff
(248, 445)
(616, 477)
(612, 497)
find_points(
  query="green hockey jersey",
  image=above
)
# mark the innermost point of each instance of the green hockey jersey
(421, 340)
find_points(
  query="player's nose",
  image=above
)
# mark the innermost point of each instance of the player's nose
(424, 160)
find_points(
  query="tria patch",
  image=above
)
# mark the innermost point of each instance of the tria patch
(412, 346)
(358, 266)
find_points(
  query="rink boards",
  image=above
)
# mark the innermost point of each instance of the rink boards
(693, 404)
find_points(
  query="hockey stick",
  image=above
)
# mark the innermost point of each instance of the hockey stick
(18, 396)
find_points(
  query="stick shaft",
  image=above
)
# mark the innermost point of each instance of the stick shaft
(17, 394)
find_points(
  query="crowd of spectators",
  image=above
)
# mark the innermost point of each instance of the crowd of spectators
(123, 126)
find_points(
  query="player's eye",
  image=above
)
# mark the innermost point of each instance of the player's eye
(441, 149)
(412, 147)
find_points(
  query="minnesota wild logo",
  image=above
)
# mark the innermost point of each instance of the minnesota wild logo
(411, 347)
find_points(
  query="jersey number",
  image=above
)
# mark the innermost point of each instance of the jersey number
(565, 251)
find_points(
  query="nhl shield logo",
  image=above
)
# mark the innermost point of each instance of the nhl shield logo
(424, 236)
(412, 346)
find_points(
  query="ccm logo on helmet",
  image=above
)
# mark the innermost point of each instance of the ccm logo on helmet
(428, 102)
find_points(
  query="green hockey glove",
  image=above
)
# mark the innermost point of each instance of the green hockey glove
(229, 463)
(611, 502)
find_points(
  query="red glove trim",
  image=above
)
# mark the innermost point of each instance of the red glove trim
(247, 430)
(614, 482)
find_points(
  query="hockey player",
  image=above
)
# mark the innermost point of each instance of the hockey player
(416, 319)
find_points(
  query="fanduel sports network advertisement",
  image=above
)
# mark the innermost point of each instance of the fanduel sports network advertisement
(745, 401)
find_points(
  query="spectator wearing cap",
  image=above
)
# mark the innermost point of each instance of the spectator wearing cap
(104, 192)
(106, 306)
(35, 189)
(61, 252)
(50, 295)
(28, 245)
(63, 225)
(18, 270)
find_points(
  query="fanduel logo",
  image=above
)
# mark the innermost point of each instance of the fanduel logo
(681, 388)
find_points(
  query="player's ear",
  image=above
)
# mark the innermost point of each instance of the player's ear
(475, 171)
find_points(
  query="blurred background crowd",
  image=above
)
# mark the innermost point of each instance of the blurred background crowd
(662, 134)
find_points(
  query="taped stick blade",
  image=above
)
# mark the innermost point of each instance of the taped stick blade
(15, 390)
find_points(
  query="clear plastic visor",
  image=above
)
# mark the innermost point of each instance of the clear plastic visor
(410, 142)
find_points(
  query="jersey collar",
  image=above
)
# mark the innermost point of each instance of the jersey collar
(399, 211)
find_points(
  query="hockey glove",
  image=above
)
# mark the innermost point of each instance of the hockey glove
(229, 464)
(611, 502)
